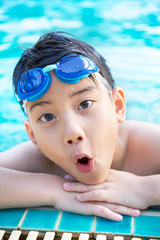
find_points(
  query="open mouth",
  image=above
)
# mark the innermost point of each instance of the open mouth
(83, 160)
(84, 164)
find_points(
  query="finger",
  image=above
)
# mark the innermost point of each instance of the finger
(76, 187)
(100, 211)
(122, 209)
(109, 196)
(96, 195)
(80, 187)
(69, 177)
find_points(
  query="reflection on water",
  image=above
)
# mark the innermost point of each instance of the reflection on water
(127, 33)
(123, 23)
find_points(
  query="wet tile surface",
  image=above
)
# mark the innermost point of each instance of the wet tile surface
(10, 218)
(147, 226)
(75, 222)
(37, 219)
(107, 226)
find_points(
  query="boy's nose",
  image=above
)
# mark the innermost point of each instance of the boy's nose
(75, 140)
(73, 133)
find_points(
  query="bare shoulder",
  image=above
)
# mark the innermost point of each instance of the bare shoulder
(25, 157)
(142, 147)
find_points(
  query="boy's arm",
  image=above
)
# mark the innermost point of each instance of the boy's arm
(153, 189)
(23, 189)
(25, 157)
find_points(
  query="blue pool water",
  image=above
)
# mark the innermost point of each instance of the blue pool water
(125, 32)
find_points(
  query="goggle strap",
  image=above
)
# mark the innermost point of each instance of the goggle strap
(103, 80)
(24, 106)
(18, 99)
(49, 68)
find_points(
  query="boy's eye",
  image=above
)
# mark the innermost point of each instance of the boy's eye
(85, 104)
(47, 117)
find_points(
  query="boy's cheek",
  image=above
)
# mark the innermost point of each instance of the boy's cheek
(31, 134)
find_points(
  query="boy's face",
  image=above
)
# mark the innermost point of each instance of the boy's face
(76, 127)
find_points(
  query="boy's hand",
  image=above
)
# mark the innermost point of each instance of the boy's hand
(66, 201)
(121, 188)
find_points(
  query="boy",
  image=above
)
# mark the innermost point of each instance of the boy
(76, 123)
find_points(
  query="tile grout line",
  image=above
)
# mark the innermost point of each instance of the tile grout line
(22, 219)
(94, 224)
(150, 213)
(132, 226)
(58, 221)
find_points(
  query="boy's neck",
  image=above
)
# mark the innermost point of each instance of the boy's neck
(119, 156)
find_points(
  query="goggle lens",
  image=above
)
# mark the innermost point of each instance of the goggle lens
(31, 80)
(74, 67)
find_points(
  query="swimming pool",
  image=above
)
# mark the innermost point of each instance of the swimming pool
(127, 33)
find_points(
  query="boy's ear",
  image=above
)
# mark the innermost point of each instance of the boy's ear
(31, 133)
(118, 98)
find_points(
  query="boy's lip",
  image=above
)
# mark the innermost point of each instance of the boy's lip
(84, 162)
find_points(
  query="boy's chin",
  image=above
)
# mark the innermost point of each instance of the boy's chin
(91, 180)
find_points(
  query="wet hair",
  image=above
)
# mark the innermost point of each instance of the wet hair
(53, 46)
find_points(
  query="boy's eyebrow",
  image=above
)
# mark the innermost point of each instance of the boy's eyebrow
(39, 104)
(90, 88)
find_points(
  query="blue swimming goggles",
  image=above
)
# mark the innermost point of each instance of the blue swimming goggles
(69, 69)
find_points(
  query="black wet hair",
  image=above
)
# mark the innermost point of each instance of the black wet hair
(53, 46)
